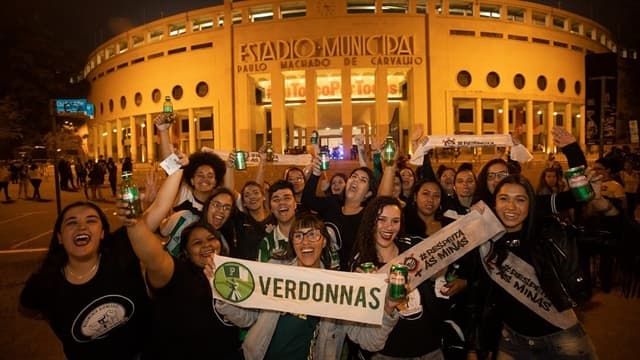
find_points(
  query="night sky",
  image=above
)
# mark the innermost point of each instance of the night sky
(82, 25)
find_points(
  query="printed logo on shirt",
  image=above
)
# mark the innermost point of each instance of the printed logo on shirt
(101, 316)
(234, 282)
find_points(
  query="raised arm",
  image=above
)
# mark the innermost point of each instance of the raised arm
(148, 248)
(163, 124)
(160, 208)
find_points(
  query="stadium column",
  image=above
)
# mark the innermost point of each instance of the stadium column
(381, 104)
(450, 119)
(119, 142)
(102, 132)
(346, 110)
(505, 116)
(529, 125)
(568, 118)
(109, 152)
(151, 149)
(580, 126)
(549, 124)
(278, 115)
(311, 105)
(133, 140)
(192, 131)
(96, 139)
(478, 122)
(244, 111)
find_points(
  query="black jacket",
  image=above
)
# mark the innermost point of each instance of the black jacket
(555, 259)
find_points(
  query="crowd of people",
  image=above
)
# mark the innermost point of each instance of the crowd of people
(74, 175)
(28, 175)
(143, 290)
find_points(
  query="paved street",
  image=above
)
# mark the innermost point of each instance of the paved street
(610, 319)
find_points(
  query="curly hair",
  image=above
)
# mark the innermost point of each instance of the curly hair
(365, 244)
(200, 158)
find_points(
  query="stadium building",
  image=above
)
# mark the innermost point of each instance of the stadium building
(243, 73)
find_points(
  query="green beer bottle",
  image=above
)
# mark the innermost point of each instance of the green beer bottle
(167, 107)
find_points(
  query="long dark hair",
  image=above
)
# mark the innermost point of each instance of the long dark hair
(56, 256)
(482, 189)
(364, 246)
(529, 230)
(227, 229)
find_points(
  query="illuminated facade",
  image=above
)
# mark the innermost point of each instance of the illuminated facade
(242, 73)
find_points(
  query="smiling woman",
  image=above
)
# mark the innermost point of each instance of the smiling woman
(90, 288)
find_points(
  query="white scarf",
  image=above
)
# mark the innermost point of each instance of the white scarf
(519, 279)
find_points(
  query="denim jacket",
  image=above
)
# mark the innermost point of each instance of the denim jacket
(331, 332)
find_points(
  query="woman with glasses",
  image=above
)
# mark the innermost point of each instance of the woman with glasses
(277, 335)
(216, 213)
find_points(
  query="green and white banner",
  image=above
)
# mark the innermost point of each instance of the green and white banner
(447, 245)
(294, 289)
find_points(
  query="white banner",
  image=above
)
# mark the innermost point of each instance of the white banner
(453, 141)
(253, 157)
(447, 245)
(294, 289)
(519, 279)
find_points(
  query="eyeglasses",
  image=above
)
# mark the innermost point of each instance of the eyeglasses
(295, 180)
(499, 175)
(312, 235)
(220, 206)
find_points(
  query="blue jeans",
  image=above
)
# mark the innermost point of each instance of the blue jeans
(572, 343)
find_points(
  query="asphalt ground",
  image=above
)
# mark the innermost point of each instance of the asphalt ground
(611, 320)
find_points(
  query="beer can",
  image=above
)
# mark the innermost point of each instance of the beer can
(241, 160)
(398, 277)
(324, 161)
(368, 267)
(314, 137)
(579, 184)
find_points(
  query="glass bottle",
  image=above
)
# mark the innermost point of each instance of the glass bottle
(389, 150)
(167, 107)
(269, 151)
(130, 194)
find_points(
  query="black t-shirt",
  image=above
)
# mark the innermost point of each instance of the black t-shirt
(330, 210)
(185, 324)
(249, 233)
(105, 318)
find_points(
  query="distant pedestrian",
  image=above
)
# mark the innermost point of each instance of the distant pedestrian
(127, 165)
(35, 177)
(96, 180)
(112, 169)
(23, 181)
(4, 181)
